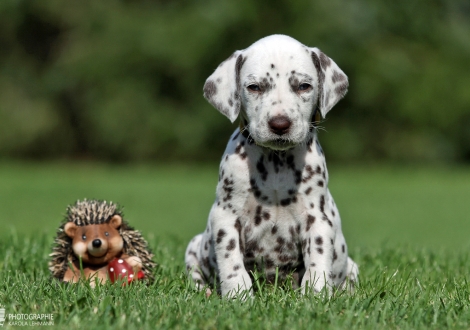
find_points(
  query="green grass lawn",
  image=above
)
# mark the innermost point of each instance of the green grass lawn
(407, 228)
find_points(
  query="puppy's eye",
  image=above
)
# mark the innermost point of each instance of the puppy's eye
(106, 233)
(305, 87)
(254, 88)
(84, 237)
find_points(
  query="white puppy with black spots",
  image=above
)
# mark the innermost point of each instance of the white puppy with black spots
(273, 209)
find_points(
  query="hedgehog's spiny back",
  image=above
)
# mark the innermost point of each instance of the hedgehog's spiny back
(91, 212)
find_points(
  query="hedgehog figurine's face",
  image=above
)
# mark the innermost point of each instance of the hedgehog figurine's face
(96, 244)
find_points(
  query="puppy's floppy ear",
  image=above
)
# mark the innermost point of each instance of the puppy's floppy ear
(332, 82)
(222, 88)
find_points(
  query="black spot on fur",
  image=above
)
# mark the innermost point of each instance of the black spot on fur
(261, 169)
(239, 147)
(336, 77)
(228, 188)
(309, 175)
(290, 160)
(268, 262)
(325, 61)
(341, 89)
(231, 245)
(319, 240)
(238, 66)
(321, 76)
(254, 188)
(274, 230)
(284, 258)
(220, 235)
(286, 202)
(258, 215)
(277, 161)
(210, 89)
(292, 232)
(310, 221)
(298, 176)
(238, 225)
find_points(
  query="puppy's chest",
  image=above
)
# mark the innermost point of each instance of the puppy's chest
(286, 180)
(272, 233)
(275, 179)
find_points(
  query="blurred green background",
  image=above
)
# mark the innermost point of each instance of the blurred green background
(101, 99)
(122, 80)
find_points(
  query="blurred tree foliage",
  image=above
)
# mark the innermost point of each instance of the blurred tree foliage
(122, 80)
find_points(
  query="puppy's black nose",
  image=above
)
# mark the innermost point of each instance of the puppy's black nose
(279, 125)
(96, 243)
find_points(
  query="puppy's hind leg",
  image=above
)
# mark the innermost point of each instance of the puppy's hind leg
(193, 265)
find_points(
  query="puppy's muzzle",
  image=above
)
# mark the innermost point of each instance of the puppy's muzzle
(279, 125)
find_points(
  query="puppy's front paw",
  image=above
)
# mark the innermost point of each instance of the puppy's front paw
(237, 284)
(315, 282)
(352, 278)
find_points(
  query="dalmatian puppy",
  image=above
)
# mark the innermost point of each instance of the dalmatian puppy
(273, 211)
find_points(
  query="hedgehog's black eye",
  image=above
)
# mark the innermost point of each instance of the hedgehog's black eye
(84, 237)
(106, 233)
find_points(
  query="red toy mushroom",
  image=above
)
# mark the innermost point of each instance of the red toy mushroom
(119, 269)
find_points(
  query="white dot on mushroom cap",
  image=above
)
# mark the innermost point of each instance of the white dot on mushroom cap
(124, 270)
(111, 269)
(131, 276)
(120, 261)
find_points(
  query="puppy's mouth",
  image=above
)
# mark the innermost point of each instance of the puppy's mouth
(278, 144)
(270, 141)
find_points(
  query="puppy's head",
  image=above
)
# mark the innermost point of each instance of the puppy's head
(275, 85)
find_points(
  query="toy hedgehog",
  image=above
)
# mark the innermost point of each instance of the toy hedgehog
(95, 241)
